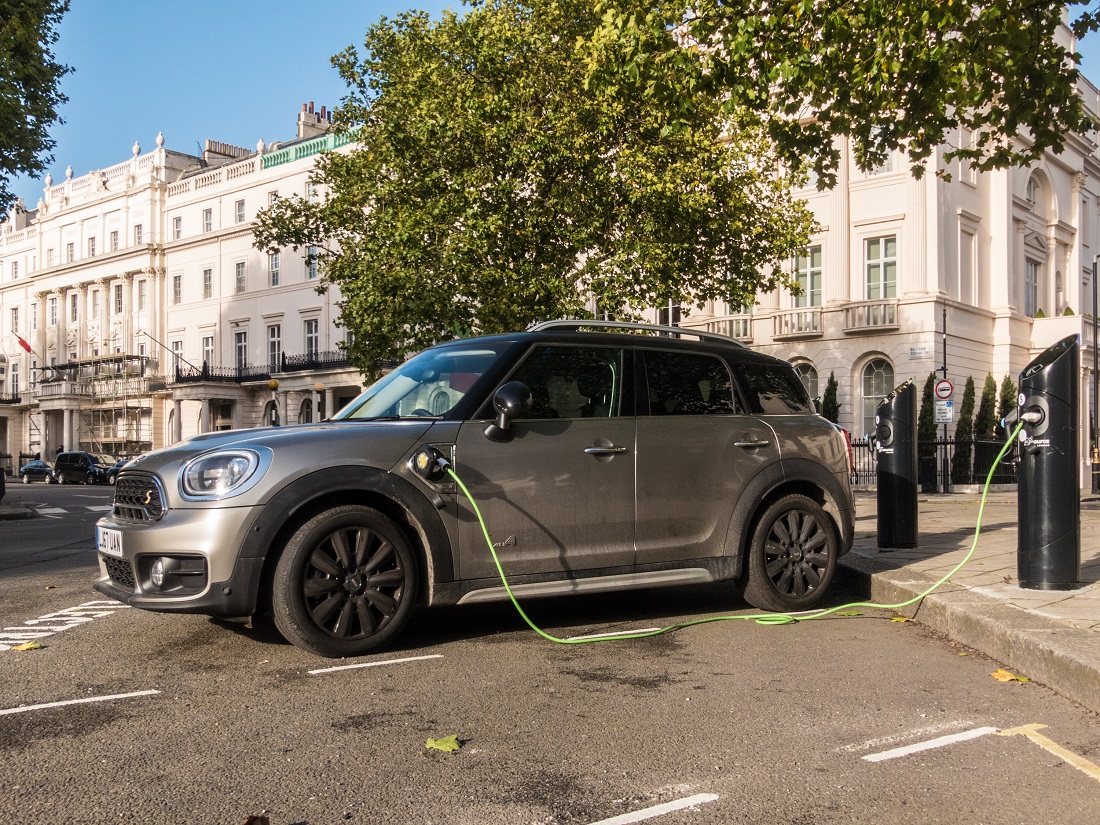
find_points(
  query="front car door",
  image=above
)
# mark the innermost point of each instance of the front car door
(559, 496)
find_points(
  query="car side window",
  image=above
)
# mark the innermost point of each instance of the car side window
(773, 389)
(573, 382)
(684, 383)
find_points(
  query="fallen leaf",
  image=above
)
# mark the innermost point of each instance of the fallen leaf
(901, 619)
(850, 613)
(963, 653)
(448, 744)
(51, 586)
(30, 646)
(1002, 675)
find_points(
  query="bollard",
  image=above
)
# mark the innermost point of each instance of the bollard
(896, 449)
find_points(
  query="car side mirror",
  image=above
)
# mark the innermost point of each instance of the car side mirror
(510, 401)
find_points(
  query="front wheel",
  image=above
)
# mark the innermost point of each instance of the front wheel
(345, 583)
(26, 478)
(793, 555)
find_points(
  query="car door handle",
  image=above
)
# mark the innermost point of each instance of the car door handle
(612, 450)
(751, 445)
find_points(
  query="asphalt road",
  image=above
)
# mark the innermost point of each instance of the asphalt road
(809, 724)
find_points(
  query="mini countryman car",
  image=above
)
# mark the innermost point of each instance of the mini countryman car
(602, 456)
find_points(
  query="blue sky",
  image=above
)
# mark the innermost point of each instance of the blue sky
(232, 70)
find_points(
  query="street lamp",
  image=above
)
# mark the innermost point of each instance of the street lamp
(273, 385)
(318, 388)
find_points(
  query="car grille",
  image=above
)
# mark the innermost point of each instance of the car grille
(120, 571)
(138, 497)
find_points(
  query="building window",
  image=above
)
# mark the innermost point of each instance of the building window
(177, 228)
(311, 263)
(70, 253)
(312, 338)
(15, 320)
(15, 379)
(34, 317)
(239, 282)
(1031, 193)
(91, 247)
(274, 344)
(808, 376)
(49, 257)
(207, 283)
(807, 274)
(238, 210)
(240, 349)
(141, 295)
(207, 220)
(208, 349)
(113, 242)
(74, 306)
(118, 299)
(272, 197)
(273, 268)
(138, 235)
(305, 411)
(878, 380)
(669, 316)
(95, 303)
(177, 355)
(14, 270)
(1031, 288)
(881, 267)
(53, 311)
(311, 190)
(177, 288)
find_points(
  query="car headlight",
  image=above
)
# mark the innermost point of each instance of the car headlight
(221, 474)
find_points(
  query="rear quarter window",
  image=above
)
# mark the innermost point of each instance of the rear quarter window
(772, 389)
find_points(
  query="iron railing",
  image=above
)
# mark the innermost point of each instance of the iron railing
(936, 457)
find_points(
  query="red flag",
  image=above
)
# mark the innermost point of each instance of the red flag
(23, 344)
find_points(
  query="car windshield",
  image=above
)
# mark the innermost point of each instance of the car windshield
(428, 385)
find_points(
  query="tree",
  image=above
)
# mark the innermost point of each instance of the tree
(830, 406)
(926, 421)
(903, 74)
(1006, 405)
(490, 186)
(29, 96)
(961, 463)
(986, 417)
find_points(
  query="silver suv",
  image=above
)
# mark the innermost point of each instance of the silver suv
(602, 455)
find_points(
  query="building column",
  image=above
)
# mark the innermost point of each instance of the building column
(66, 429)
(204, 417)
(177, 421)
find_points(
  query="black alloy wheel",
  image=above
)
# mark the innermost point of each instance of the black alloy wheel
(345, 584)
(793, 555)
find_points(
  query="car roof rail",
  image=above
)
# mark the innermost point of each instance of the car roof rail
(581, 323)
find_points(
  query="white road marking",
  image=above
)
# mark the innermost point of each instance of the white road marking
(374, 664)
(59, 620)
(910, 734)
(941, 742)
(616, 633)
(26, 708)
(99, 508)
(659, 810)
(51, 511)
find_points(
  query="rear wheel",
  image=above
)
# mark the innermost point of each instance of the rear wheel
(26, 478)
(345, 584)
(793, 555)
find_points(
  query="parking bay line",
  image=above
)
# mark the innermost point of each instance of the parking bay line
(939, 742)
(659, 810)
(1031, 732)
(9, 711)
(374, 664)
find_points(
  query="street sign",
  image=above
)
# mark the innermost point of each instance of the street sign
(944, 389)
(944, 411)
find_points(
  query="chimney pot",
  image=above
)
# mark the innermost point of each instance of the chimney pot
(303, 107)
(311, 107)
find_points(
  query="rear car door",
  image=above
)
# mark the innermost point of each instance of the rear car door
(559, 496)
(697, 450)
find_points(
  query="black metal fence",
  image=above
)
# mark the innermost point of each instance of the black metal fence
(936, 458)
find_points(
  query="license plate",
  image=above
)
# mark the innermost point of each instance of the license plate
(108, 541)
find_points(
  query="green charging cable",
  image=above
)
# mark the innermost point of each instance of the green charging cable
(759, 618)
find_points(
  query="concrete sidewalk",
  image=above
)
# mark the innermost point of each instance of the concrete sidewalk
(1050, 636)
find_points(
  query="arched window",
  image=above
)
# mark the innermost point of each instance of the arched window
(808, 376)
(878, 380)
(271, 415)
(305, 412)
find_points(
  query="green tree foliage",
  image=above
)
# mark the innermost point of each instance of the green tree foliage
(1006, 404)
(903, 74)
(830, 406)
(987, 410)
(491, 186)
(29, 78)
(926, 420)
(961, 462)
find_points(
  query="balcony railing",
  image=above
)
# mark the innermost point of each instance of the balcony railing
(871, 316)
(797, 323)
(333, 359)
(59, 389)
(233, 375)
(10, 399)
(738, 327)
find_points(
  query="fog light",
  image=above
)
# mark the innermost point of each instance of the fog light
(157, 573)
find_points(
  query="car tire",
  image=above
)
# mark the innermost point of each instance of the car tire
(793, 555)
(62, 479)
(345, 584)
(26, 478)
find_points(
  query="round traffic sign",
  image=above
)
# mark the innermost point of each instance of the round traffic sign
(944, 389)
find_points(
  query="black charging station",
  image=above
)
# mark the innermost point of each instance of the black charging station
(1048, 550)
(896, 451)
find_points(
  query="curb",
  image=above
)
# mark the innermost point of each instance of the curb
(15, 511)
(1045, 650)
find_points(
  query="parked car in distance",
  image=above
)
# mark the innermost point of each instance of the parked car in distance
(113, 470)
(603, 456)
(79, 467)
(37, 470)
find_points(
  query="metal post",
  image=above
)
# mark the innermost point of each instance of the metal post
(1094, 422)
(943, 369)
